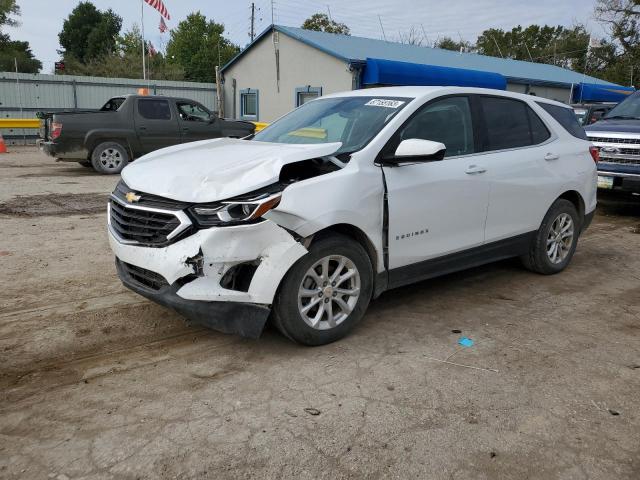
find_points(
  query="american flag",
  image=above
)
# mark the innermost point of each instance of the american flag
(163, 26)
(158, 5)
(152, 50)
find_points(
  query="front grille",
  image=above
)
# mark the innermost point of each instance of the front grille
(633, 141)
(142, 226)
(620, 161)
(144, 277)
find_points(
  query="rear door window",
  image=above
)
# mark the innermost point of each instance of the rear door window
(565, 117)
(510, 124)
(154, 109)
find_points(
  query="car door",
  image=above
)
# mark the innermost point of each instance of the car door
(437, 207)
(519, 153)
(196, 122)
(156, 124)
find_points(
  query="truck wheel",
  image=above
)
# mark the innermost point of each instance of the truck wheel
(325, 294)
(109, 158)
(555, 241)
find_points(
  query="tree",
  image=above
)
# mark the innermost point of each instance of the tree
(126, 61)
(412, 37)
(448, 43)
(8, 9)
(14, 52)
(565, 47)
(197, 45)
(89, 33)
(622, 17)
(321, 22)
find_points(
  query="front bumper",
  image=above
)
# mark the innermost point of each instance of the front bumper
(193, 268)
(628, 181)
(245, 319)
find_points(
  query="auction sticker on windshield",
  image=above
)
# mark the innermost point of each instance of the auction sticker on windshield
(380, 102)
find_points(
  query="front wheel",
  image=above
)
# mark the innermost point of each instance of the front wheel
(555, 241)
(109, 158)
(326, 292)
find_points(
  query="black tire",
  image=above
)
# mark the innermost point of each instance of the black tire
(109, 158)
(538, 259)
(286, 315)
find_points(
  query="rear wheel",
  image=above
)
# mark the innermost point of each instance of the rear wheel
(109, 158)
(555, 241)
(326, 293)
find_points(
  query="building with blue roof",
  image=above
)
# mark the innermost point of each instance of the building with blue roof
(286, 66)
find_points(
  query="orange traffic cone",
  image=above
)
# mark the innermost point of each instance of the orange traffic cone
(3, 146)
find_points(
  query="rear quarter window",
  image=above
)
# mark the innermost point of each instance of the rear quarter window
(566, 117)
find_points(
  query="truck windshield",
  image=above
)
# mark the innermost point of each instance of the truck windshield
(354, 121)
(629, 108)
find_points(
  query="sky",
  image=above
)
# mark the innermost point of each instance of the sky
(41, 20)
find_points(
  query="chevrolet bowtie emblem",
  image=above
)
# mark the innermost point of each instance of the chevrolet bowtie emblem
(132, 197)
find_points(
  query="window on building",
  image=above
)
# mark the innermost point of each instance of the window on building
(447, 121)
(306, 94)
(510, 124)
(249, 104)
(154, 109)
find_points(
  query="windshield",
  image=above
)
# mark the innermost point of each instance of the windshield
(354, 121)
(629, 108)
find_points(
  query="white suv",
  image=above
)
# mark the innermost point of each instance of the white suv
(348, 196)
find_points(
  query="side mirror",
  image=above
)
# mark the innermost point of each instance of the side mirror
(212, 118)
(416, 150)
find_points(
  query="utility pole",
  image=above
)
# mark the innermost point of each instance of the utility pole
(144, 66)
(252, 33)
(382, 28)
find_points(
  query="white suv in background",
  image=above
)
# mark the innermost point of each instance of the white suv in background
(348, 196)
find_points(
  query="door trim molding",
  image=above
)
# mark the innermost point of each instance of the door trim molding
(454, 262)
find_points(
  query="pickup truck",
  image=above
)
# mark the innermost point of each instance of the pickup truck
(128, 127)
(617, 137)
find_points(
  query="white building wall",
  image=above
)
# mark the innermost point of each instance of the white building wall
(552, 93)
(300, 66)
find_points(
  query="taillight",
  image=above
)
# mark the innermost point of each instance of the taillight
(595, 154)
(56, 130)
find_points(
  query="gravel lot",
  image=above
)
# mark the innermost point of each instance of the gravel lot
(97, 382)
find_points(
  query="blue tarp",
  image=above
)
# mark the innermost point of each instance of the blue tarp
(591, 92)
(390, 72)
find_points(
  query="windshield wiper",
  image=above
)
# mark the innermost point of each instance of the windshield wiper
(622, 117)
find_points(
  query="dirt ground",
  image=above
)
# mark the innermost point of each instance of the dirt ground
(99, 383)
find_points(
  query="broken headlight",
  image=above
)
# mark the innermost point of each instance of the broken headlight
(235, 211)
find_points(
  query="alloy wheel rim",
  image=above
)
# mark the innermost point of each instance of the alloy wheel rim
(560, 238)
(329, 292)
(110, 158)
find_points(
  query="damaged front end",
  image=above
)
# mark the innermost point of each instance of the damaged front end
(217, 261)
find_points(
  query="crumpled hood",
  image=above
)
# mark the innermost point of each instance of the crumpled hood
(212, 170)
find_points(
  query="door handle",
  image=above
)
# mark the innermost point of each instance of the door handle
(475, 170)
(551, 156)
(142, 128)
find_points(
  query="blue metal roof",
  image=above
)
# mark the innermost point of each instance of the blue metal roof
(357, 49)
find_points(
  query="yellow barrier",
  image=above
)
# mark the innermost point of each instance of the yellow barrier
(19, 123)
(260, 125)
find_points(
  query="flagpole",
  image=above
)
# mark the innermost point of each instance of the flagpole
(144, 66)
